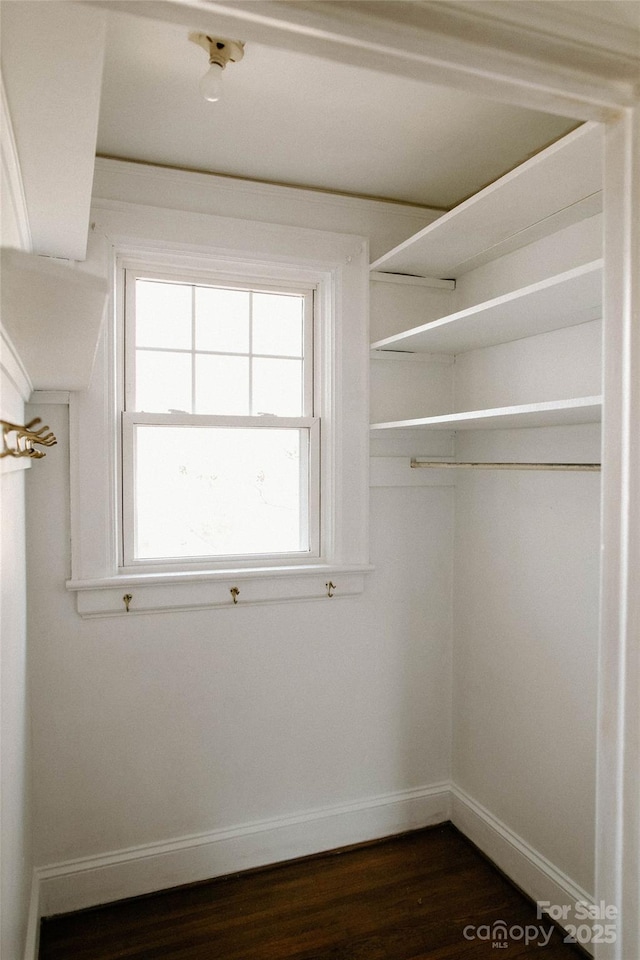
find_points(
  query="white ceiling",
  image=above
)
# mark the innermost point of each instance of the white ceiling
(292, 118)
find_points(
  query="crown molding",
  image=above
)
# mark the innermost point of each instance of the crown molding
(586, 25)
(111, 171)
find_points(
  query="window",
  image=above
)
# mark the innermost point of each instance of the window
(220, 442)
(222, 445)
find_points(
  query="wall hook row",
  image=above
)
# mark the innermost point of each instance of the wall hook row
(25, 436)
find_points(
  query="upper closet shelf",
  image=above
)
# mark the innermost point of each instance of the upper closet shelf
(554, 189)
(551, 413)
(53, 313)
(565, 300)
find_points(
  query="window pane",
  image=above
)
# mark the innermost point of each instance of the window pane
(222, 385)
(277, 324)
(222, 320)
(163, 315)
(211, 491)
(277, 387)
(163, 381)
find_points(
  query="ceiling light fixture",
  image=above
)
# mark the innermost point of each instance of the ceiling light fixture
(221, 52)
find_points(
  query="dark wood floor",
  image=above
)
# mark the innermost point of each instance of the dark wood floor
(406, 898)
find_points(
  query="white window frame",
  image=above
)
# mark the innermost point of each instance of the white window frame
(336, 265)
(127, 272)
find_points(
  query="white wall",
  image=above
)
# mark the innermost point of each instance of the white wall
(15, 752)
(526, 588)
(526, 579)
(15, 735)
(15, 837)
(161, 727)
(165, 734)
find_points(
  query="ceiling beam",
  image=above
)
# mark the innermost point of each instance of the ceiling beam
(446, 43)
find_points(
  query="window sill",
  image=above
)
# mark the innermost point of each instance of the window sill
(164, 592)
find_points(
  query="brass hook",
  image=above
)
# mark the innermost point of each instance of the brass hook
(234, 593)
(330, 588)
(128, 597)
(25, 437)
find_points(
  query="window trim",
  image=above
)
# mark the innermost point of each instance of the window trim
(338, 265)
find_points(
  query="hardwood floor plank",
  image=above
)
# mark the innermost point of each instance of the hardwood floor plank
(406, 898)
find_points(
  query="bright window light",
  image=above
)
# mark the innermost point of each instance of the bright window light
(220, 445)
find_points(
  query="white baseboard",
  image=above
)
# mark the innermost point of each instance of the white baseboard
(526, 867)
(86, 882)
(77, 884)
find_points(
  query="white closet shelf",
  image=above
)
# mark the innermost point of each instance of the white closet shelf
(557, 187)
(53, 313)
(565, 300)
(550, 413)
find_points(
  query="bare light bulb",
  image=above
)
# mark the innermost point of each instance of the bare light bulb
(211, 83)
(220, 51)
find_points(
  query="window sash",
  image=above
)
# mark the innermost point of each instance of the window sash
(194, 278)
(309, 503)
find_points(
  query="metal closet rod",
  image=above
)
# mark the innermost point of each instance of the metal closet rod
(461, 465)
